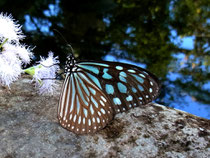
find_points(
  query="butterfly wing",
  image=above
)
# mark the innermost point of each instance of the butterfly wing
(83, 107)
(95, 91)
(126, 86)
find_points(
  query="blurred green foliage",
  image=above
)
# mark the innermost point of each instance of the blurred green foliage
(139, 30)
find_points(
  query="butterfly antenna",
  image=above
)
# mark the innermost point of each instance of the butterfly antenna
(72, 50)
(55, 30)
(69, 45)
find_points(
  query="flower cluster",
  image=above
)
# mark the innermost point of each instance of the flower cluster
(45, 74)
(14, 55)
(10, 29)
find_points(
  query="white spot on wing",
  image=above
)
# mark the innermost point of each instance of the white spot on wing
(66, 82)
(67, 101)
(103, 111)
(85, 112)
(70, 117)
(98, 120)
(150, 90)
(104, 99)
(119, 67)
(75, 116)
(141, 75)
(102, 103)
(79, 120)
(89, 122)
(99, 113)
(132, 71)
(93, 119)
(91, 109)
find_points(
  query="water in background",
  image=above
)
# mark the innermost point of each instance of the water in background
(182, 101)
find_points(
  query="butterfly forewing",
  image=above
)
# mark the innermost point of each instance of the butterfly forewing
(83, 107)
(126, 86)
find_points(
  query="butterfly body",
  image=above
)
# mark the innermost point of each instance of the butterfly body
(94, 91)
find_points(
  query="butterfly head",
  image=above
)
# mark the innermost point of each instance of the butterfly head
(70, 63)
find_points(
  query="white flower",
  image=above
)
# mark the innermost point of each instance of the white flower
(11, 60)
(25, 53)
(10, 68)
(9, 29)
(45, 74)
(13, 55)
(19, 51)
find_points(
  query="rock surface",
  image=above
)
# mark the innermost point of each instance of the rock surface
(29, 128)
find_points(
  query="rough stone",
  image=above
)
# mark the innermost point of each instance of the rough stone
(29, 128)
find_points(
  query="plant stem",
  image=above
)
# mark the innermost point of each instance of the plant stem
(3, 43)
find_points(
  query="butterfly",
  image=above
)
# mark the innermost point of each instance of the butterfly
(95, 91)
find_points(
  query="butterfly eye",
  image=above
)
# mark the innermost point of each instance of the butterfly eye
(93, 92)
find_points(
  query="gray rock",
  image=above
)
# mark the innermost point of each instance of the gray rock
(29, 128)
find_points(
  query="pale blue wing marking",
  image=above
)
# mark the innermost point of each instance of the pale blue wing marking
(92, 91)
(129, 98)
(109, 89)
(139, 79)
(106, 75)
(85, 78)
(84, 87)
(94, 79)
(73, 93)
(85, 112)
(134, 90)
(145, 72)
(91, 109)
(116, 101)
(80, 92)
(78, 105)
(93, 69)
(123, 74)
(122, 79)
(94, 101)
(122, 88)
(140, 88)
(93, 63)
(68, 93)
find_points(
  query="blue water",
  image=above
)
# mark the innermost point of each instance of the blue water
(185, 102)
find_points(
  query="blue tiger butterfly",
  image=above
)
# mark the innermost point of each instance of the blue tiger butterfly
(94, 91)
